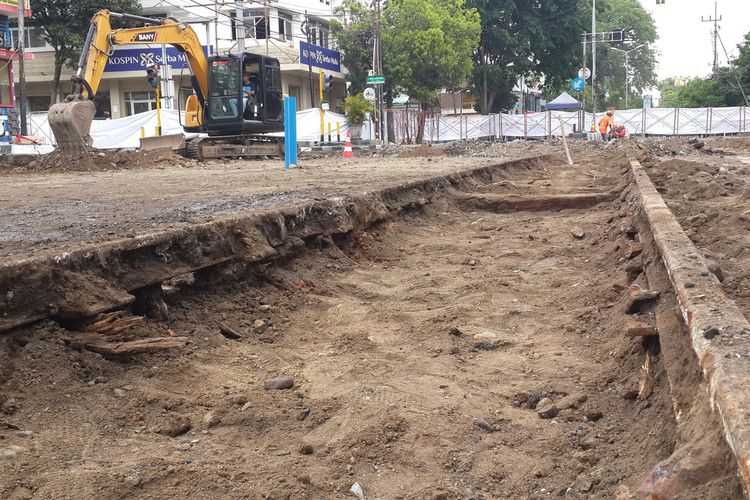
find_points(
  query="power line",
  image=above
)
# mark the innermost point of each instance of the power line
(715, 36)
(733, 70)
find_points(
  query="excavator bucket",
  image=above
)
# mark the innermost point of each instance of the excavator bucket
(70, 122)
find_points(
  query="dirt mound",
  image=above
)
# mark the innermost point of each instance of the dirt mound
(691, 180)
(97, 160)
(423, 150)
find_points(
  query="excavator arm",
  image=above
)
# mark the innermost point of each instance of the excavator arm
(71, 119)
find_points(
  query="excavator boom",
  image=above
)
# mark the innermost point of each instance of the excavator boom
(71, 119)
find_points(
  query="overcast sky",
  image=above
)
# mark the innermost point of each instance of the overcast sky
(685, 42)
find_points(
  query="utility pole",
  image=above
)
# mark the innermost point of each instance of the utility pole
(715, 35)
(378, 67)
(239, 25)
(306, 31)
(593, 59)
(21, 74)
(265, 19)
(627, 67)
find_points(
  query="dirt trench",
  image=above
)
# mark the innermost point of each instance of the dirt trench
(461, 349)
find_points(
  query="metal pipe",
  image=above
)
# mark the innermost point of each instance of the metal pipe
(85, 49)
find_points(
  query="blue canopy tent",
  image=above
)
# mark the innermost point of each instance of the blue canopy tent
(563, 102)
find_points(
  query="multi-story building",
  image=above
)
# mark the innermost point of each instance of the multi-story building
(280, 28)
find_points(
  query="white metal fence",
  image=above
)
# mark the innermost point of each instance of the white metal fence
(649, 121)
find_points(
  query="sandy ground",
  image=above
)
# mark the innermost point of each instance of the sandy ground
(399, 340)
(118, 195)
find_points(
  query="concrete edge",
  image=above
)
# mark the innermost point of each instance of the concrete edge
(97, 277)
(719, 332)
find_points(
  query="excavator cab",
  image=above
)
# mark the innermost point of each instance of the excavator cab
(244, 95)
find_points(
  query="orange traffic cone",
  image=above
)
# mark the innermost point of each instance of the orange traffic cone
(348, 146)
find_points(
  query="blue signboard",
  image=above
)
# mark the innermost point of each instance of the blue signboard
(578, 84)
(139, 59)
(320, 57)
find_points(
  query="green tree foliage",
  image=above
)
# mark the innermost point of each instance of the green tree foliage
(427, 45)
(65, 25)
(536, 40)
(723, 88)
(639, 28)
(355, 40)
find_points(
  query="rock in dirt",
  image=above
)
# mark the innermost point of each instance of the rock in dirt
(577, 233)
(264, 308)
(175, 426)
(715, 269)
(548, 410)
(484, 425)
(306, 449)
(489, 345)
(133, 480)
(455, 332)
(7, 454)
(633, 249)
(259, 325)
(594, 415)
(211, 419)
(279, 383)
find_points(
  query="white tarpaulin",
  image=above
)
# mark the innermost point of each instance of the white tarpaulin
(125, 133)
(655, 121)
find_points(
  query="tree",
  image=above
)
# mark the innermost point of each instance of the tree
(727, 86)
(428, 46)
(355, 40)
(65, 24)
(639, 28)
(539, 40)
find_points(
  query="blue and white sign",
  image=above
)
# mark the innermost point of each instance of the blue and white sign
(140, 59)
(578, 84)
(320, 57)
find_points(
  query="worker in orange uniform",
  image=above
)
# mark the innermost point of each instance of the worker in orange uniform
(606, 123)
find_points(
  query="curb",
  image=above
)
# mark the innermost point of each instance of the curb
(719, 332)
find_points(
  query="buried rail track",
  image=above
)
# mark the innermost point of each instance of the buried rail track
(461, 336)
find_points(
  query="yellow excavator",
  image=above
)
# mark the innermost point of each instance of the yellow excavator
(232, 123)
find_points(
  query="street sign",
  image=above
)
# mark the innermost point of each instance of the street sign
(578, 84)
(369, 94)
(584, 73)
(375, 80)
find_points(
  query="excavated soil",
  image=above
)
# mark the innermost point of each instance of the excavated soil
(419, 350)
(95, 161)
(710, 196)
(461, 349)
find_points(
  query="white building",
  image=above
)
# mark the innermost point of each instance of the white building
(274, 27)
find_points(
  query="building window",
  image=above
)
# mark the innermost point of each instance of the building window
(260, 23)
(34, 38)
(139, 102)
(255, 25)
(285, 28)
(5, 97)
(36, 103)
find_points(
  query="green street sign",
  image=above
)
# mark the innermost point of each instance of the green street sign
(375, 80)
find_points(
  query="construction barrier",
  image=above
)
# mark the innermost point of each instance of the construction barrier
(125, 133)
(648, 121)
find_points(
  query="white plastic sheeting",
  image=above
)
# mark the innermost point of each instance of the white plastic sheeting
(125, 133)
(651, 121)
